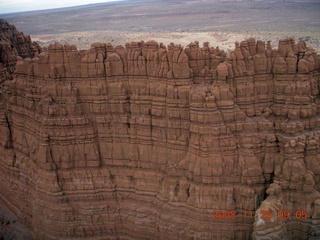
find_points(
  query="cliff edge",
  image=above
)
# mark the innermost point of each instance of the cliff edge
(151, 141)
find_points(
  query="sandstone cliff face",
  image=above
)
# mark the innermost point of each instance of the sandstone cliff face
(13, 44)
(147, 141)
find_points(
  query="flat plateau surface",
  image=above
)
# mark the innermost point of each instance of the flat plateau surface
(219, 22)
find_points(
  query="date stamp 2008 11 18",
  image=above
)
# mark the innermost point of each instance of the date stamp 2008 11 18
(263, 214)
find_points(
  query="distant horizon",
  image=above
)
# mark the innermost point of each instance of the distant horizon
(18, 6)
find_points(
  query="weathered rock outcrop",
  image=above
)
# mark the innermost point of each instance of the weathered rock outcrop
(13, 44)
(147, 141)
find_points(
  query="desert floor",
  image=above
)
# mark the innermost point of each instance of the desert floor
(219, 22)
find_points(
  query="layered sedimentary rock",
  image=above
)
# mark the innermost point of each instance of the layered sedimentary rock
(13, 44)
(149, 142)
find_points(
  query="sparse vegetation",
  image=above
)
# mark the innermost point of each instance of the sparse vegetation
(167, 20)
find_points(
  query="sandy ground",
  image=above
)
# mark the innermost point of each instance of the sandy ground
(83, 40)
(220, 22)
(224, 40)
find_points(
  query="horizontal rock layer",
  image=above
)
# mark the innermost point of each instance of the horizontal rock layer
(147, 141)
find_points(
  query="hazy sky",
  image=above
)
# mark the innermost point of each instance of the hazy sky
(8, 6)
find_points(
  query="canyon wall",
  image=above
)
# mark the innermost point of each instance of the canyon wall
(149, 142)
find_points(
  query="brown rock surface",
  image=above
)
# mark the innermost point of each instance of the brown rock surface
(13, 44)
(147, 141)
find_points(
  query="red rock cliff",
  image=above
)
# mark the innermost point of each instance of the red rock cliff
(147, 141)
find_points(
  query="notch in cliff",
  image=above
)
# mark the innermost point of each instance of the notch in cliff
(13, 44)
